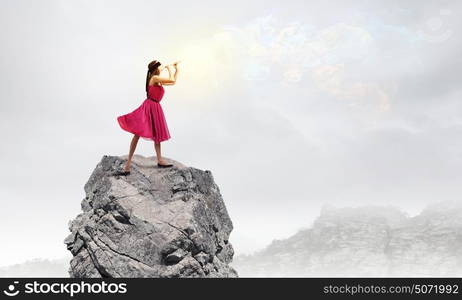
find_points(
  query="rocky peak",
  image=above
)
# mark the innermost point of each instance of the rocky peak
(155, 222)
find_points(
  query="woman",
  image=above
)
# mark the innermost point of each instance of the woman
(148, 120)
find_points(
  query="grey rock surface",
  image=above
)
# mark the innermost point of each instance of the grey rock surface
(372, 241)
(155, 222)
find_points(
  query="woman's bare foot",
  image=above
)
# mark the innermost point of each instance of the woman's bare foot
(163, 163)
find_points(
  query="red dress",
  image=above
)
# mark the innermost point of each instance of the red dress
(148, 120)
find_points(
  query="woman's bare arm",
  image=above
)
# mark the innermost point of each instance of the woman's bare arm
(174, 76)
(165, 81)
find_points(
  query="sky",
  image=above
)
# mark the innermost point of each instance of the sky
(291, 105)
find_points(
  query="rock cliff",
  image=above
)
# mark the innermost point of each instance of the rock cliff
(374, 241)
(155, 222)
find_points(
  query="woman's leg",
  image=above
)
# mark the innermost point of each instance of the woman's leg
(160, 160)
(159, 155)
(133, 144)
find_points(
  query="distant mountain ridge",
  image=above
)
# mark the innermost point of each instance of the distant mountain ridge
(370, 241)
(37, 268)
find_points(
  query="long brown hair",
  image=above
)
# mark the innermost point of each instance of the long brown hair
(153, 69)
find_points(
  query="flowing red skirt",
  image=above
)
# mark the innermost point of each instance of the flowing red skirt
(147, 121)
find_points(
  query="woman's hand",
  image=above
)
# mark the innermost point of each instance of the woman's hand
(175, 64)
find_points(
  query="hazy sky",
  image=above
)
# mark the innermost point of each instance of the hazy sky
(290, 104)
